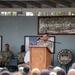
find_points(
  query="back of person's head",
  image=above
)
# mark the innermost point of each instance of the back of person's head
(44, 72)
(71, 72)
(22, 48)
(50, 68)
(23, 73)
(52, 73)
(35, 71)
(4, 69)
(73, 66)
(5, 73)
(26, 69)
(57, 68)
(61, 72)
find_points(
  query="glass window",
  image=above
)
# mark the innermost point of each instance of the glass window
(14, 13)
(29, 14)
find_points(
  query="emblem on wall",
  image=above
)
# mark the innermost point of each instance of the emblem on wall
(64, 56)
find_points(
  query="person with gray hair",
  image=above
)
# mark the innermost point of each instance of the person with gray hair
(50, 68)
(71, 72)
(57, 68)
(53, 73)
(5, 71)
(73, 66)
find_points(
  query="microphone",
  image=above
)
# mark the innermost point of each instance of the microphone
(38, 38)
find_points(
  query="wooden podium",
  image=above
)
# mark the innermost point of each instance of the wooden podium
(40, 57)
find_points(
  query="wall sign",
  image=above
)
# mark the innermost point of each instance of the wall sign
(58, 25)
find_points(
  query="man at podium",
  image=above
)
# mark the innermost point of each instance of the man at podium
(44, 41)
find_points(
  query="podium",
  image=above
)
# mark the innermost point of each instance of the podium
(40, 57)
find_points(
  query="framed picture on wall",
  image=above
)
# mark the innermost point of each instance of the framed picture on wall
(0, 43)
(56, 25)
(34, 40)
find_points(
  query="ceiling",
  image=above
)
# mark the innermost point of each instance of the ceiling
(37, 3)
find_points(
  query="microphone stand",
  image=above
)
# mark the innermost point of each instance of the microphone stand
(55, 42)
(53, 53)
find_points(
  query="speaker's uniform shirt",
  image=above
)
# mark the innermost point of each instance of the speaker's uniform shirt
(46, 43)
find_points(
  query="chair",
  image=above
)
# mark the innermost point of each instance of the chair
(13, 64)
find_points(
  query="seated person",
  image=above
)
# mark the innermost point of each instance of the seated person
(27, 56)
(21, 55)
(7, 54)
(1, 57)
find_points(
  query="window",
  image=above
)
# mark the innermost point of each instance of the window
(8, 13)
(29, 14)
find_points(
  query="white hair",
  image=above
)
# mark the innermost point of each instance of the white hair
(52, 73)
(5, 72)
(57, 68)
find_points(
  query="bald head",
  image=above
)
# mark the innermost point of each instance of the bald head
(71, 72)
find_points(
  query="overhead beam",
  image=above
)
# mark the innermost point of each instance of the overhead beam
(72, 0)
(62, 2)
(24, 0)
(49, 3)
(5, 4)
(33, 3)
(19, 3)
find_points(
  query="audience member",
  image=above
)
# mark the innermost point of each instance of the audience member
(61, 72)
(5, 71)
(44, 72)
(71, 72)
(53, 73)
(50, 68)
(27, 70)
(35, 71)
(20, 69)
(57, 68)
(73, 66)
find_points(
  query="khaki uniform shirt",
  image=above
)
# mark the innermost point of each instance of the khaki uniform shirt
(6, 56)
(45, 43)
(20, 56)
(1, 57)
